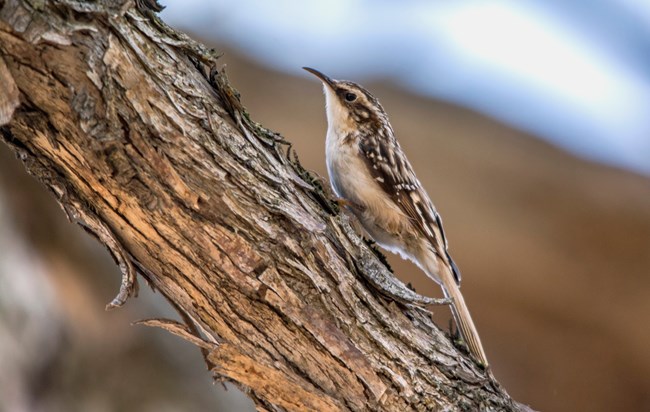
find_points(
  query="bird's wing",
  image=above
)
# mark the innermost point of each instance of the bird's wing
(389, 166)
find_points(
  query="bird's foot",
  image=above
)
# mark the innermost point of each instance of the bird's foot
(345, 203)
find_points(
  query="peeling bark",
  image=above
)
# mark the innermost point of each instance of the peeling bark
(8, 94)
(144, 144)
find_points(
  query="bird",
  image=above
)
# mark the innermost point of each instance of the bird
(370, 174)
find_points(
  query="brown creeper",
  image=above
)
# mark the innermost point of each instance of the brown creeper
(370, 172)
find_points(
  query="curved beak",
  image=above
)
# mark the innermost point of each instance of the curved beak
(326, 79)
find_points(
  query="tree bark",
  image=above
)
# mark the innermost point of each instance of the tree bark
(144, 144)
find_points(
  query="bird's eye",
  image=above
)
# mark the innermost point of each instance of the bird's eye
(350, 97)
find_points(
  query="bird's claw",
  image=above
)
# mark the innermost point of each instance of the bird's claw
(345, 203)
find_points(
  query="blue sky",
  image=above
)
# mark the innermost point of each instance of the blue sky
(575, 73)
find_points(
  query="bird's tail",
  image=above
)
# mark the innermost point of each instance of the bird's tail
(458, 308)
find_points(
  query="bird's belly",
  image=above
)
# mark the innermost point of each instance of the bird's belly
(379, 215)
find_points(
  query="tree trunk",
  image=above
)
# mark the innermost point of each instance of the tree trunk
(145, 145)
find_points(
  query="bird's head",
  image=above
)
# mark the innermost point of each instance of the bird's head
(350, 107)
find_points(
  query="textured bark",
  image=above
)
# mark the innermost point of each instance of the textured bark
(145, 145)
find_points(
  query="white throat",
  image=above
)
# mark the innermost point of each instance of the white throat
(338, 120)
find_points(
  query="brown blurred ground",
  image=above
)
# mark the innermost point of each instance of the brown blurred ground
(554, 250)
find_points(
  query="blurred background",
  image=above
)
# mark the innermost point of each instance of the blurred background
(528, 124)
